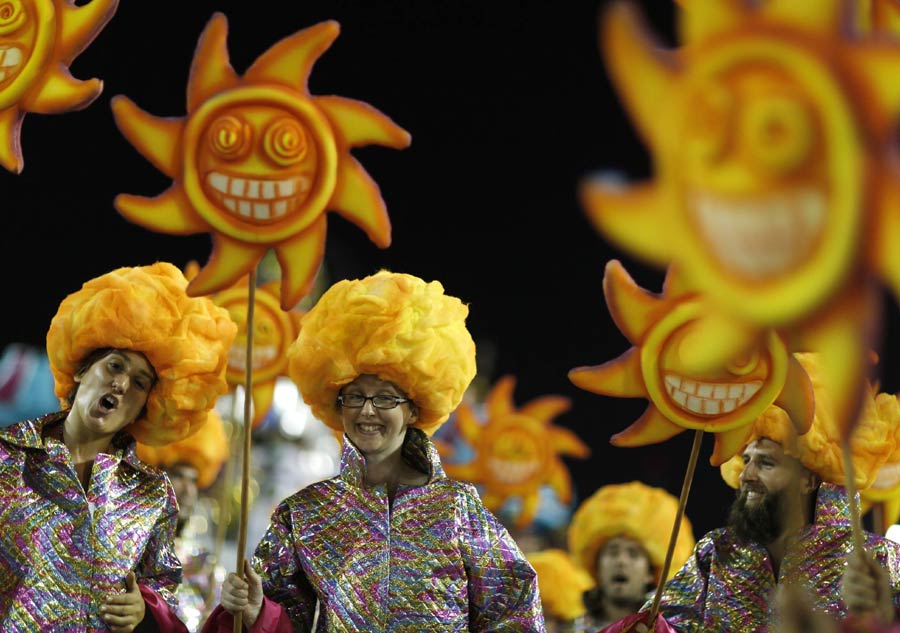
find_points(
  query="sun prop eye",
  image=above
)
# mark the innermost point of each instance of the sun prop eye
(709, 120)
(12, 15)
(229, 137)
(285, 141)
(744, 364)
(779, 132)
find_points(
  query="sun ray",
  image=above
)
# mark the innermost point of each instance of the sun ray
(728, 443)
(499, 400)
(358, 199)
(155, 138)
(357, 123)
(211, 70)
(546, 408)
(566, 442)
(10, 144)
(622, 377)
(169, 212)
(300, 258)
(703, 18)
(291, 60)
(530, 504)
(632, 308)
(821, 15)
(797, 398)
(79, 25)
(561, 482)
(57, 91)
(651, 428)
(467, 423)
(230, 260)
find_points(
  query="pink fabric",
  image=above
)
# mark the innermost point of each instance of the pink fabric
(166, 619)
(625, 624)
(272, 619)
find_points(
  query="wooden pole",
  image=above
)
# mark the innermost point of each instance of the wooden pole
(682, 502)
(850, 486)
(245, 472)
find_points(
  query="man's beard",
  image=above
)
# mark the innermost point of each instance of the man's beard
(761, 522)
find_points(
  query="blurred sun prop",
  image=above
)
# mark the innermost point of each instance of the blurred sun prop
(274, 330)
(258, 161)
(39, 39)
(517, 451)
(665, 330)
(774, 189)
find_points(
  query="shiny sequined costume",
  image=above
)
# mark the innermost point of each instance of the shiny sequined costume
(63, 551)
(436, 560)
(727, 584)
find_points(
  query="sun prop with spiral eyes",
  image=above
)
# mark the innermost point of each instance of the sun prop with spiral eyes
(517, 451)
(38, 41)
(665, 331)
(258, 161)
(774, 189)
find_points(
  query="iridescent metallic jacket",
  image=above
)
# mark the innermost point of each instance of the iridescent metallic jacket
(436, 560)
(727, 583)
(63, 551)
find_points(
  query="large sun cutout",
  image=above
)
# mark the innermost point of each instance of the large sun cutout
(38, 41)
(664, 331)
(773, 187)
(517, 451)
(258, 161)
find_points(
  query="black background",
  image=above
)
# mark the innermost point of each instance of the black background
(509, 108)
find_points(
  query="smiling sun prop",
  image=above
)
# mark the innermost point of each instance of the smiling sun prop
(258, 161)
(663, 331)
(773, 188)
(517, 450)
(38, 41)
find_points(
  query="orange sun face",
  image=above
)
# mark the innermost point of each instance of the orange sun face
(273, 332)
(38, 39)
(723, 400)
(517, 451)
(258, 162)
(773, 191)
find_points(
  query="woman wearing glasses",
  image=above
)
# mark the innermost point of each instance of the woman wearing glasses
(391, 543)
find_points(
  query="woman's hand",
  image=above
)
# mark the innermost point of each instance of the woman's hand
(122, 612)
(866, 588)
(243, 596)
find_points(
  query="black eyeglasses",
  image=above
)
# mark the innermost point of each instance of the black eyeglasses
(358, 401)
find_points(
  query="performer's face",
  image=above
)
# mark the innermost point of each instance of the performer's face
(623, 571)
(373, 430)
(770, 482)
(111, 392)
(184, 481)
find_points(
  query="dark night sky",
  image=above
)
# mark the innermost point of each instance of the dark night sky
(509, 108)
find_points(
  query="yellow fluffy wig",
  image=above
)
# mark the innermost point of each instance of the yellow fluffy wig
(561, 583)
(206, 450)
(395, 326)
(146, 309)
(635, 510)
(820, 449)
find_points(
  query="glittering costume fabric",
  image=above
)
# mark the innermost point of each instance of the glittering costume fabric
(727, 584)
(62, 551)
(202, 582)
(436, 560)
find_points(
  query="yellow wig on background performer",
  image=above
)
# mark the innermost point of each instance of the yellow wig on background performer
(635, 510)
(392, 325)
(146, 309)
(820, 449)
(561, 583)
(206, 450)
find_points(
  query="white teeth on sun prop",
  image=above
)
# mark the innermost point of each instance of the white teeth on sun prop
(41, 38)
(516, 451)
(666, 331)
(773, 190)
(258, 161)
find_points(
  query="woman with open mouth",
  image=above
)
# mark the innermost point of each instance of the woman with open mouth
(87, 538)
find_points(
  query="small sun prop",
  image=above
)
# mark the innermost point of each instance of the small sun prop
(517, 451)
(664, 329)
(773, 189)
(258, 161)
(274, 330)
(39, 39)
